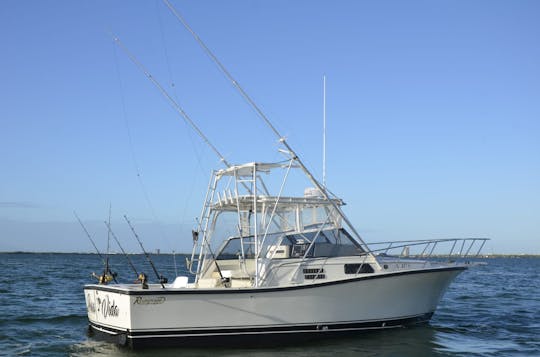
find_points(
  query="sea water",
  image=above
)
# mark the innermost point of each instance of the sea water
(489, 310)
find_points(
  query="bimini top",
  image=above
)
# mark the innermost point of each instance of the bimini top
(247, 169)
(245, 202)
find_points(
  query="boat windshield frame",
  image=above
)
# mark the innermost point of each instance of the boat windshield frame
(308, 244)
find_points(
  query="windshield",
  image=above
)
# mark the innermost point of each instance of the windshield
(326, 243)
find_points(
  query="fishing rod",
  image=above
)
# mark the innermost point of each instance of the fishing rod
(108, 242)
(122, 249)
(103, 260)
(90, 237)
(324, 191)
(159, 276)
(173, 102)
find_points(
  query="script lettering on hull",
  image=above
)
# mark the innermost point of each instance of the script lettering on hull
(104, 305)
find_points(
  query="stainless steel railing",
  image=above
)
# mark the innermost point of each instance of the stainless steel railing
(431, 248)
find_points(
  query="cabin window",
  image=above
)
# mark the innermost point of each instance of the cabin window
(328, 243)
(233, 249)
(358, 269)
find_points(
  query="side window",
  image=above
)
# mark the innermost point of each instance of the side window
(358, 269)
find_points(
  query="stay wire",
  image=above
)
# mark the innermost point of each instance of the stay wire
(165, 51)
(173, 85)
(132, 149)
(196, 152)
(171, 100)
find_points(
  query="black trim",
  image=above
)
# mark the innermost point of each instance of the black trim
(120, 290)
(246, 337)
(314, 276)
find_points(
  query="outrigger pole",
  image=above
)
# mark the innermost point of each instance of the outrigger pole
(171, 100)
(260, 113)
(180, 111)
(159, 276)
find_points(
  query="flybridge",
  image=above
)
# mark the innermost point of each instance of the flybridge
(230, 198)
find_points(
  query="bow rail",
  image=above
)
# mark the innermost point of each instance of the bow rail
(451, 248)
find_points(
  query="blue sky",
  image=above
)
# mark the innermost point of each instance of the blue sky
(433, 115)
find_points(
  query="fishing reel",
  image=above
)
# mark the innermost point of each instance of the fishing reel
(143, 279)
(105, 278)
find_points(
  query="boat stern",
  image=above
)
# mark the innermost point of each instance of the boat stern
(109, 312)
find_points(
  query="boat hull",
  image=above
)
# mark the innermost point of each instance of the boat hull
(190, 317)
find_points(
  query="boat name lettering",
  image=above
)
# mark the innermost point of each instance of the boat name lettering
(141, 300)
(107, 308)
(91, 305)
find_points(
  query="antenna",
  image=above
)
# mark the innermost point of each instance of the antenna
(324, 134)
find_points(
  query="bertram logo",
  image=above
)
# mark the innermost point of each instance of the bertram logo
(155, 300)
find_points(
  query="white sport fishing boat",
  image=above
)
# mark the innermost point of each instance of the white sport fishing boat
(272, 261)
(287, 267)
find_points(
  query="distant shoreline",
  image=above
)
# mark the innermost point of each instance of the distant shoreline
(482, 256)
(90, 253)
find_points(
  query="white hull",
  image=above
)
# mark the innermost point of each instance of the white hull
(187, 316)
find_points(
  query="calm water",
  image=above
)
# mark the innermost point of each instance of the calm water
(491, 310)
